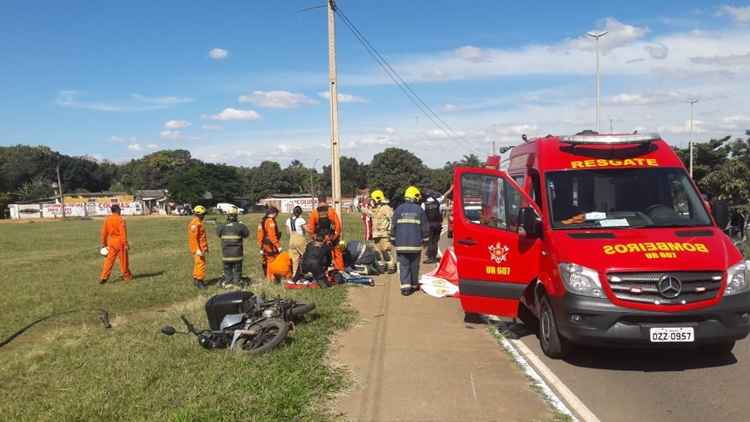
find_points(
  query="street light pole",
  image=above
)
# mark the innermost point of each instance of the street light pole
(334, 100)
(692, 102)
(596, 36)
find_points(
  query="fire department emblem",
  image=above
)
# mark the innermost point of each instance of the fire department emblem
(498, 253)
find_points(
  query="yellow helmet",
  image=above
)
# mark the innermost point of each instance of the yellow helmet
(199, 210)
(413, 193)
(342, 244)
(233, 211)
(377, 195)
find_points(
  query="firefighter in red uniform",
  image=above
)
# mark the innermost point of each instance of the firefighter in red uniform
(325, 223)
(269, 239)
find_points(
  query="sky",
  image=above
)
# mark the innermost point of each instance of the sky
(240, 82)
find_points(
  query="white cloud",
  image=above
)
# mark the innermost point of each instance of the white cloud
(176, 124)
(618, 35)
(171, 135)
(136, 102)
(121, 139)
(649, 98)
(630, 51)
(343, 98)
(135, 147)
(737, 118)
(276, 99)
(471, 53)
(153, 146)
(229, 114)
(218, 53)
(684, 128)
(657, 51)
(164, 101)
(740, 14)
(514, 131)
(389, 130)
(728, 60)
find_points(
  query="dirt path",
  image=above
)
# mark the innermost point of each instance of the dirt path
(413, 358)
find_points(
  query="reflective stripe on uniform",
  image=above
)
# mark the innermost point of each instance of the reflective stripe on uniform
(231, 259)
(405, 286)
(408, 221)
(409, 248)
(230, 237)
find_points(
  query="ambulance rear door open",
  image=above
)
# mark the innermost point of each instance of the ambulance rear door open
(497, 240)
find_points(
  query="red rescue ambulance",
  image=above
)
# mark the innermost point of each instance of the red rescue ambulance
(603, 240)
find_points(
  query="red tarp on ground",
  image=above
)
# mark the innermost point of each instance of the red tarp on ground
(443, 280)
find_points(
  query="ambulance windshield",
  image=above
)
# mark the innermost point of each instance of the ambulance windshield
(625, 198)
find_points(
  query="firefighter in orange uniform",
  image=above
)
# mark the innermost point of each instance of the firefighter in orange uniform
(325, 222)
(269, 240)
(198, 243)
(114, 236)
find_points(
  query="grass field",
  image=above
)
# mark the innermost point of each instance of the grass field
(71, 368)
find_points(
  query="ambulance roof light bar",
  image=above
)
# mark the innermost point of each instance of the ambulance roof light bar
(591, 137)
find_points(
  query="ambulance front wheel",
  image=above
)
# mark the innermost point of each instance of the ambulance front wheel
(553, 344)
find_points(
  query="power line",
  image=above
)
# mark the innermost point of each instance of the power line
(398, 80)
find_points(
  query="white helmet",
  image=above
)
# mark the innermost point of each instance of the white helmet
(104, 251)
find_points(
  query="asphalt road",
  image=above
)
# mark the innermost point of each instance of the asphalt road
(647, 385)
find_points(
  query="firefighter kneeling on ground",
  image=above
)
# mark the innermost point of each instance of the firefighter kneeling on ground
(315, 262)
(382, 215)
(325, 223)
(232, 235)
(360, 257)
(409, 231)
(280, 268)
(269, 239)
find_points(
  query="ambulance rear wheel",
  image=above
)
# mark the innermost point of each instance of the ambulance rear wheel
(553, 344)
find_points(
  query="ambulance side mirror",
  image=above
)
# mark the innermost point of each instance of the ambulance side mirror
(530, 224)
(720, 210)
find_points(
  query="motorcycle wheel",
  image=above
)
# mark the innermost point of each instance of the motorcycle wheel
(271, 333)
(300, 309)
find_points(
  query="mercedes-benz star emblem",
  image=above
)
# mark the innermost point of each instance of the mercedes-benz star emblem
(669, 286)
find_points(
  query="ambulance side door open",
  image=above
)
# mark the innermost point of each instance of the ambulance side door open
(497, 240)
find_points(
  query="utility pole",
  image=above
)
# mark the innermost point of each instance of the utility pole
(334, 103)
(60, 191)
(596, 36)
(493, 148)
(692, 102)
(611, 125)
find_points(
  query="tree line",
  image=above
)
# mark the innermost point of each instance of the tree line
(28, 173)
(721, 168)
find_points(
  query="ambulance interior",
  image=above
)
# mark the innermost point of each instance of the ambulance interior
(622, 198)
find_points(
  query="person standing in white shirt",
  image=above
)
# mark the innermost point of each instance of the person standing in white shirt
(295, 228)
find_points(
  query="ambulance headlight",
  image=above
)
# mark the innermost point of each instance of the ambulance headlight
(580, 280)
(738, 278)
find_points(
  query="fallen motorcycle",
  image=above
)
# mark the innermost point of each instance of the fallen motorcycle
(242, 321)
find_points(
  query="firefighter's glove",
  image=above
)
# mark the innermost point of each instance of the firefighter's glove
(198, 253)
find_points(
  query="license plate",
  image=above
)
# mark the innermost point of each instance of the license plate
(672, 335)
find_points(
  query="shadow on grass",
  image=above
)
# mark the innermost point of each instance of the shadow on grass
(147, 275)
(244, 283)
